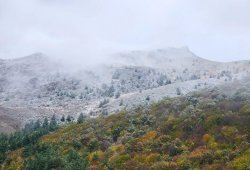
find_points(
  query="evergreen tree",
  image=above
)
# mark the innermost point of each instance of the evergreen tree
(68, 118)
(63, 119)
(27, 136)
(121, 103)
(45, 123)
(178, 91)
(80, 118)
(37, 124)
(117, 95)
(75, 161)
(53, 123)
(3, 146)
(116, 133)
(29, 127)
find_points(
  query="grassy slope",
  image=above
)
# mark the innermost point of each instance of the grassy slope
(205, 131)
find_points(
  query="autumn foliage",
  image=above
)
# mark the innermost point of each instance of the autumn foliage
(172, 134)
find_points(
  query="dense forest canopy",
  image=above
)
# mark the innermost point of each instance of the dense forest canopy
(207, 130)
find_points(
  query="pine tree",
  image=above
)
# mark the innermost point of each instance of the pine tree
(68, 118)
(37, 124)
(45, 123)
(29, 127)
(178, 91)
(53, 123)
(80, 118)
(63, 119)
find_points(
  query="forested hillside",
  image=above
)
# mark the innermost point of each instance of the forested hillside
(205, 130)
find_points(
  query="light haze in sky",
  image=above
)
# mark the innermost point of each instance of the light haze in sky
(90, 29)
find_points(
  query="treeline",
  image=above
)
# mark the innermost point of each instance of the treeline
(45, 156)
(27, 136)
(30, 134)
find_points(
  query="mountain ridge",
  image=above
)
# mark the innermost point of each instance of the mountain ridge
(36, 82)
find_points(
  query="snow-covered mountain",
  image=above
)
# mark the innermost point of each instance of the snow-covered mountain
(36, 86)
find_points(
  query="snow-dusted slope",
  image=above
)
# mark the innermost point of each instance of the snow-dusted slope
(36, 86)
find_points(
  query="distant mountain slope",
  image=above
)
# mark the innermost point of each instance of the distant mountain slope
(37, 82)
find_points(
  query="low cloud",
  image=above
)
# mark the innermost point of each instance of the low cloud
(88, 30)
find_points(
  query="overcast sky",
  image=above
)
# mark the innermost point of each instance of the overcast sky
(213, 29)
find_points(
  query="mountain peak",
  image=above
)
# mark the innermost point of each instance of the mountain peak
(170, 56)
(33, 57)
(183, 48)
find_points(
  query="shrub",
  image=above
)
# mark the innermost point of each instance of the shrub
(153, 157)
(93, 145)
(148, 136)
(164, 166)
(140, 158)
(121, 160)
(245, 109)
(183, 163)
(242, 162)
(206, 138)
(229, 132)
(118, 148)
(76, 144)
(201, 155)
(96, 156)
(212, 121)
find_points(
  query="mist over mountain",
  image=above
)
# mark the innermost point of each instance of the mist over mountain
(158, 109)
(37, 86)
(124, 85)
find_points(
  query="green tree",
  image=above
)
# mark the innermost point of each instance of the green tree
(45, 123)
(37, 124)
(68, 118)
(53, 123)
(116, 133)
(81, 118)
(75, 161)
(63, 118)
